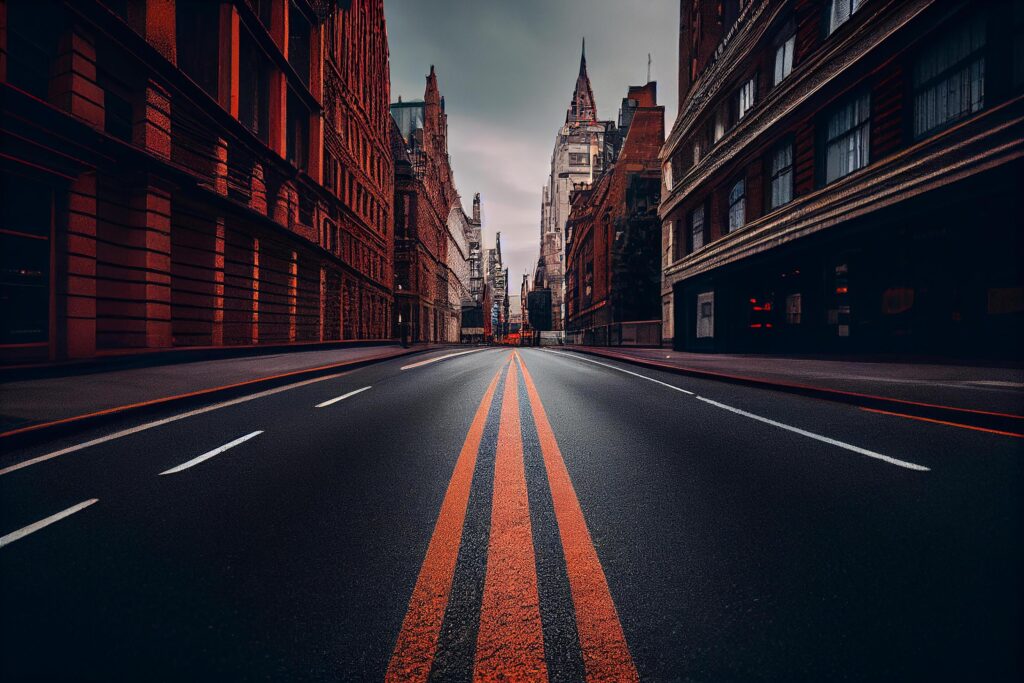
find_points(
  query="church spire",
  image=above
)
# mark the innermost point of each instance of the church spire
(582, 109)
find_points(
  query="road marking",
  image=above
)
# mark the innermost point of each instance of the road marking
(510, 643)
(944, 422)
(439, 358)
(159, 423)
(32, 528)
(342, 397)
(606, 655)
(628, 372)
(818, 437)
(417, 641)
(209, 454)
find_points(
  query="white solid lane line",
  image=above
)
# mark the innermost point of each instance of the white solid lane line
(634, 374)
(780, 425)
(818, 437)
(341, 398)
(210, 454)
(157, 423)
(434, 360)
(32, 528)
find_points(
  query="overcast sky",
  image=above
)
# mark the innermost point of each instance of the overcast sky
(506, 69)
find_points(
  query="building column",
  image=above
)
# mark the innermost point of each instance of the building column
(293, 293)
(227, 59)
(73, 87)
(151, 218)
(217, 322)
(323, 301)
(76, 289)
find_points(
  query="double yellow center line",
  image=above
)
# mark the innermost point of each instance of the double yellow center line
(510, 641)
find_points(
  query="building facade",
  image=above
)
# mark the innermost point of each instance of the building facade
(496, 282)
(584, 146)
(845, 175)
(192, 174)
(613, 266)
(431, 246)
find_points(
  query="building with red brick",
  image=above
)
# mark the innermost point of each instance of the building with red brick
(845, 175)
(613, 273)
(431, 245)
(190, 174)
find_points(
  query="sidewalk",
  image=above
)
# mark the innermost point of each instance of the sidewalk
(75, 395)
(958, 388)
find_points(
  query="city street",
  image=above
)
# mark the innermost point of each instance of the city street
(470, 512)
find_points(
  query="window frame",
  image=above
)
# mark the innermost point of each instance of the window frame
(979, 55)
(750, 85)
(824, 141)
(774, 175)
(854, 7)
(739, 201)
(690, 232)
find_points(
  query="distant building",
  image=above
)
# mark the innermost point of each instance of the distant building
(192, 174)
(613, 266)
(584, 146)
(496, 279)
(473, 310)
(431, 245)
(846, 176)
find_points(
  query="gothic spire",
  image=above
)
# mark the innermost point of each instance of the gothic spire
(582, 109)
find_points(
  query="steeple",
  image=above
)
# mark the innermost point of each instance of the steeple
(582, 109)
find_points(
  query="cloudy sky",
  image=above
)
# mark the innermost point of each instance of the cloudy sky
(506, 69)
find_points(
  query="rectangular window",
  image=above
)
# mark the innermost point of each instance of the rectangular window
(696, 229)
(579, 159)
(738, 205)
(839, 11)
(847, 138)
(782, 176)
(254, 87)
(299, 38)
(783, 60)
(949, 78)
(298, 132)
(793, 309)
(746, 99)
(705, 315)
(719, 124)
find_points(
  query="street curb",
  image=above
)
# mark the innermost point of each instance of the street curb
(982, 419)
(34, 433)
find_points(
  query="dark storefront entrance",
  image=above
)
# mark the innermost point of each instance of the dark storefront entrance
(924, 277)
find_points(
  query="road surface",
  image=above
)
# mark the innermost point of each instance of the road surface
(534, 513)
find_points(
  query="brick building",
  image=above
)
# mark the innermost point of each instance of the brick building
(431, 261)
(584, 146)
(613, 267)
(190, 174)
(845, 175)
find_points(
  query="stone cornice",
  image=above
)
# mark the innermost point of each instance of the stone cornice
(821, 68)
(979, 144)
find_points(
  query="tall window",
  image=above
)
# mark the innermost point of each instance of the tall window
(738, 205)
(847, 138)
(949, 77)
(254, 87)
(841, 10)
(696, 229)
(783, 59)
(782, 175)
(746, 99)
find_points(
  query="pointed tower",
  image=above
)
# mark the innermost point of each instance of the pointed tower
(582, 109)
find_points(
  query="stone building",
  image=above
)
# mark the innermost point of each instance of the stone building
(431, 245)
(584, 146)
(613, 266)
(845, 175)
(192, 174)
(496, 282)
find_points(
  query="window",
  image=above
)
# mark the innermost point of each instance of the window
(847, 134)
(781, 176)
(794, 309)
(783, 59)
(579, 159)
(746, 99)
(254, 87)
(949, 78)
(299, 43)
(197, 27)
(738, 205)
(696, 229)
(719, 124)
(705, 315)
(298, 131)
(841, 10)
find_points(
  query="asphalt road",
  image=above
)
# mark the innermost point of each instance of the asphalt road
(461, 518)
